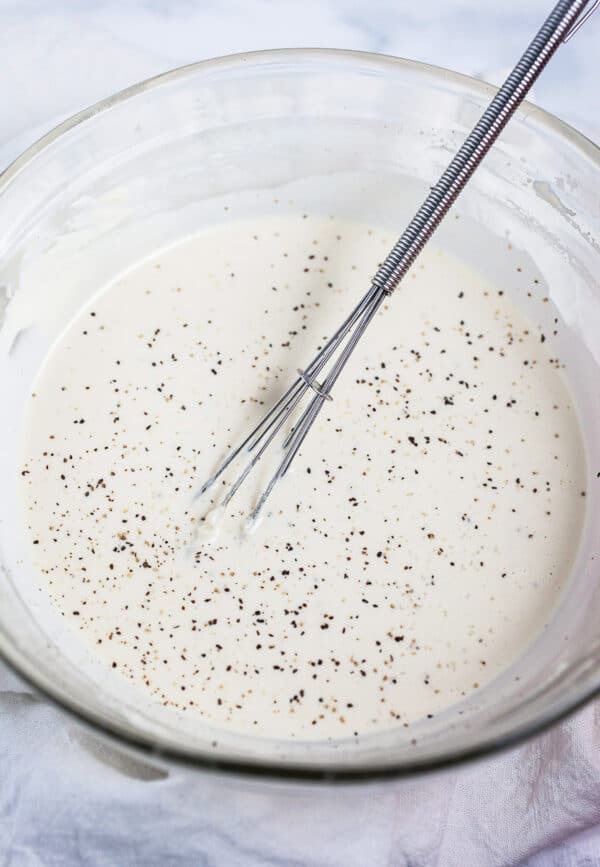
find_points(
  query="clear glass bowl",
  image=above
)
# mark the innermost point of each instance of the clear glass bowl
(353, 134)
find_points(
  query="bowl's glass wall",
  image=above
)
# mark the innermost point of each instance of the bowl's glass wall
(325, 132)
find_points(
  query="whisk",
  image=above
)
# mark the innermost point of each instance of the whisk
(563, 21)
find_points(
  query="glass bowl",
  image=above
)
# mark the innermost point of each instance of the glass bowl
(361, 136)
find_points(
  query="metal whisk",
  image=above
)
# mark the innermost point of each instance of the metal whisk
(564, 20)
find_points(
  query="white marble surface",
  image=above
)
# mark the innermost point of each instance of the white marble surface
(63, 799)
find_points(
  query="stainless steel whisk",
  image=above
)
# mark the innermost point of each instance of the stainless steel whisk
(563, 21)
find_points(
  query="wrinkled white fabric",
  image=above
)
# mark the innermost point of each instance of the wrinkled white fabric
(67, 799)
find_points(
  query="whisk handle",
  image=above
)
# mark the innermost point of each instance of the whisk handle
(559, 26)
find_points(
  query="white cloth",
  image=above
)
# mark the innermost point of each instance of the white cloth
(68, 800)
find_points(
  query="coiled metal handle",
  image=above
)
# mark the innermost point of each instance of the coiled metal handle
(560, 24)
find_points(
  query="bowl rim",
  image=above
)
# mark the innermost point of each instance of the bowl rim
(276, 769)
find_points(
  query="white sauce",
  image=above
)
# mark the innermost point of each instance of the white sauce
(419, 545)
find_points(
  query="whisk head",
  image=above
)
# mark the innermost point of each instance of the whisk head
(278, 422)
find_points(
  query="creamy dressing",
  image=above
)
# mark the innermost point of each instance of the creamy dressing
(421, 541)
